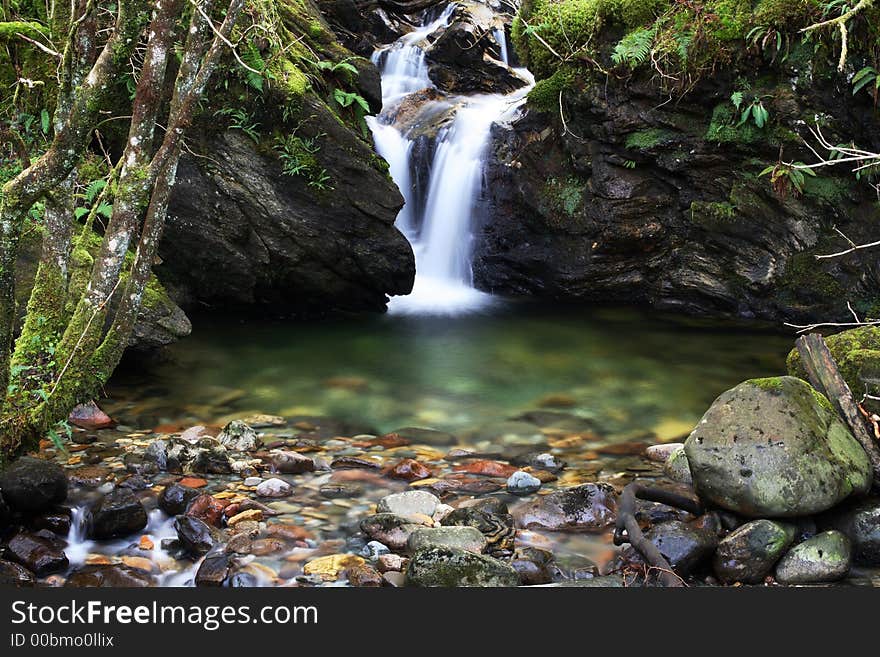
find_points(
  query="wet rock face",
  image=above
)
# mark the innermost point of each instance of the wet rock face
(33, 485)
(175, 499)
(748, 554)
(451, 567)
(585, 508)
(13, 574)
(194, 535)
(109, 576)
(465, 58)
(639, 200)
(775, 448)
(117, 514)
(241, 233)
(41, 554)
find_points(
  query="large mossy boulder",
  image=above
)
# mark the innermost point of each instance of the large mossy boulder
(775, 448)
(857, 353)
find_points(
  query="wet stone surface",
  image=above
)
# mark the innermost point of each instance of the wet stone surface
(191, 493)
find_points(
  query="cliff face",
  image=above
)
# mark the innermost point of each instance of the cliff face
(282, 204)
(643, 192)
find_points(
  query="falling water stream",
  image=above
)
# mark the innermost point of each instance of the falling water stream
(442, 232)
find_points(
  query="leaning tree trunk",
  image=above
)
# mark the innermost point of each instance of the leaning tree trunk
(87, 350)
(77, 115)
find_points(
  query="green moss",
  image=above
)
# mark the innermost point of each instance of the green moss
(724, 128)
(857, 353)
(647, 139)
(830, 189)
(564, 197)
(9, 30)
(544, 96)
(803, 277)
(712, 215)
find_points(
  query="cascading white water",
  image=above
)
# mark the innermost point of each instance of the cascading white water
(501, 38)
(441, 236)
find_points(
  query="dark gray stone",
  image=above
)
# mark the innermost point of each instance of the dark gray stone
(117, 514)
(33, 485)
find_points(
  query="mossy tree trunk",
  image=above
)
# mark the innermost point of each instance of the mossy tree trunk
(73, 335)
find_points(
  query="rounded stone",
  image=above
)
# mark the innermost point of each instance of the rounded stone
(450, 567)
(823, 558)
(677, 467)
(749, 553)
(33, 485)
(585, 508)
(775, 448)
(408, 503)
(175, 499)
(117, 514)
(461, 538)
(274, 488)
(522, 483)
(860, 522)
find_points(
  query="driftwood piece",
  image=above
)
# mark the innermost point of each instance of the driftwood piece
(627, 528)
(825, 377)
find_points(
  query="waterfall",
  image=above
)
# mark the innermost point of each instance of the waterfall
(501, 38)
(441, 234)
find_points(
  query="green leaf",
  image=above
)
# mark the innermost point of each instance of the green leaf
(94, 188)
(105, 210)
(79, 213)
(44, 121)
(736, 98)
(769, 169)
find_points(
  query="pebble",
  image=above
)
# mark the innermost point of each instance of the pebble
(373, 550)
(253, 481)
(331, 566)
(274, 488)
(254, 515)
(409, 503)
(390, 563)
(660, 453)
(364, 575)
(458, 537)
(522, 483)
(394, 578)
(407, 470)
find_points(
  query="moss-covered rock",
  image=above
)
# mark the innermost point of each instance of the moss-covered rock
(822, 558)
(775, 448)
(452, 567)
(749, 553)
(857, 353)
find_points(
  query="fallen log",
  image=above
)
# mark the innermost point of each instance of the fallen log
(825, 377)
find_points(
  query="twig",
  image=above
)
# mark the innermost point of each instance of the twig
(45, 49)
(223, 38)
(803, 328)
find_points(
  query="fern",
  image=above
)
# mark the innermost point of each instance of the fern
(634, 49)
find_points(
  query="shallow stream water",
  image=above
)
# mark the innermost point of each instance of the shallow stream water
(630, 371)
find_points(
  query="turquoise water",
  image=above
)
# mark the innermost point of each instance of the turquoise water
(631, 371)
